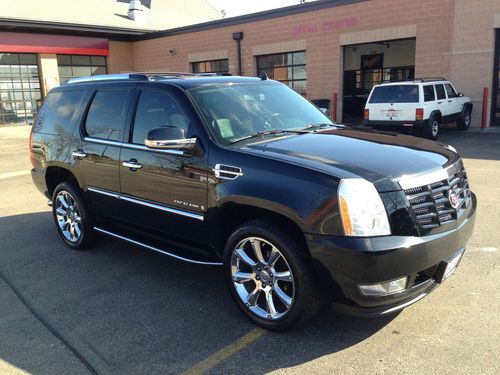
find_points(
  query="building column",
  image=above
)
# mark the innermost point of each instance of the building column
(49, 73)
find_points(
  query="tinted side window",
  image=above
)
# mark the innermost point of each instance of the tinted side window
(105, 117)
(156, 109)
(57, 111)
(429, 95)
(450, 91)
(440, 92)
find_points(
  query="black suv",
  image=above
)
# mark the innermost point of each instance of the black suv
(246, 174)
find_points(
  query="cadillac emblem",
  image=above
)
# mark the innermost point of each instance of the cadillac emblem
(453, 197)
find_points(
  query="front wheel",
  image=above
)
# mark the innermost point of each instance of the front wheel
(270, 276)
(463, 123)
(73, 220)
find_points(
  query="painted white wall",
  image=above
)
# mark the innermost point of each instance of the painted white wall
(400, 53)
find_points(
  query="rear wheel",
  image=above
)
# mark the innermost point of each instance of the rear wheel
(73, 220)
(270, 276)
(432, 129)
(463, 123)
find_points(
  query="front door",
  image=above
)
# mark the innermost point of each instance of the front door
(164, 191)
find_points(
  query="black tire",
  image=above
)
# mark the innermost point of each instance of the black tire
(463, 123)
(431, 131)
(307, 298)
(72, 196)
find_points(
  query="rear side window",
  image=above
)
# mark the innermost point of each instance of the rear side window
(450, 91)
(395, 94)
(156, 109)
(440, 92)
(57, 111)
(105, 116)
(429, 95)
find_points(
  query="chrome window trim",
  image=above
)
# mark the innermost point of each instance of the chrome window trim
(131, 146)
(156, 249)
(102, 141)
(147, 204)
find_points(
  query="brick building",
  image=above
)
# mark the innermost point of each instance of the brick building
(319, 48)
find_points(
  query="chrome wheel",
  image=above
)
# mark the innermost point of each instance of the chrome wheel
(68, 216)
(262, 278)
(434, 128)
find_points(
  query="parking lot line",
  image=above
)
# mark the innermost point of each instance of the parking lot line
(225, 352)
(13, 174)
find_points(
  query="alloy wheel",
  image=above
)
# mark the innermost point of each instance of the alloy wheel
(262, 278)
(68, 216)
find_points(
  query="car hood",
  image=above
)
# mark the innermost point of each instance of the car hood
(380, 157)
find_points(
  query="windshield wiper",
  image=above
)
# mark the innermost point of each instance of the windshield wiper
(320, 126)
(266, 132)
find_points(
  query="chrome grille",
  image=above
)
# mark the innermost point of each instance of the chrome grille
(431, 203)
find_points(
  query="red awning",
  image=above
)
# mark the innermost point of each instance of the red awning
(48, 43)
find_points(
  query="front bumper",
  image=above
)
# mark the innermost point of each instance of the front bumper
(343, 263)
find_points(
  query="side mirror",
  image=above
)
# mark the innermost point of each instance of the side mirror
(460, 94)
(169, 138)
(324, 110)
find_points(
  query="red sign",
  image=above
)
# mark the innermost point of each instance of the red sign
(47, 43)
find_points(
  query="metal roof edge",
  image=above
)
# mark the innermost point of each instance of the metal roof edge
(252, 17)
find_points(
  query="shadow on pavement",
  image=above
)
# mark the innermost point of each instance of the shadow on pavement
(473, 143)
(127, 310)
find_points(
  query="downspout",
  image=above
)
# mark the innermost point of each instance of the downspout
(238, 37)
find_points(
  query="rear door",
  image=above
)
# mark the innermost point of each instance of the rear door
(166, 193)
(393, 102)
(98, 151)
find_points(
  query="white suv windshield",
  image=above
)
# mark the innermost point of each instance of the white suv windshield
(395, 94)
(236, 111)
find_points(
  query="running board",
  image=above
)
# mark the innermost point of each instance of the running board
(97, 229)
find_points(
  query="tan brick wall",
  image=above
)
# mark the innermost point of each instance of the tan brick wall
(454, 39)
(120, 57)
(473, 50)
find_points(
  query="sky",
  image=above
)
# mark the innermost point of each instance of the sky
(239, 7)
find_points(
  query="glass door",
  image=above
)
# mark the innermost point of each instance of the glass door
(495, 95)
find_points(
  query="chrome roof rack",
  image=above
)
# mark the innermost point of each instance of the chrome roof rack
(109, 77)
(139, 76)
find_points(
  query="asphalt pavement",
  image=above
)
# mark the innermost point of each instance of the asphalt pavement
(120, 309)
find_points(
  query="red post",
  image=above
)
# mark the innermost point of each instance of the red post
(334, 107)
(485, 107)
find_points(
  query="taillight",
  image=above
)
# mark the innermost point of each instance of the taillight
(31, 148)
(419, 114)
(366, 114)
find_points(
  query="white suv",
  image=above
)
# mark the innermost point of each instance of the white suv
(421, 103)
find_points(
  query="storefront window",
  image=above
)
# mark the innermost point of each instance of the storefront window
(19, 88)
(289, 68)
(71, 66)
(212, 66)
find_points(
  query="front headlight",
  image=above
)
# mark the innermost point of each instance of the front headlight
(361, 209)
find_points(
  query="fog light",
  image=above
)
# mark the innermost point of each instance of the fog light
(388, 287)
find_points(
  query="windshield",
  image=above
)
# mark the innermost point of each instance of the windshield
(237, 111)
(395, 94)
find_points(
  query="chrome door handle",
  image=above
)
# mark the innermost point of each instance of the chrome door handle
(78, 154)
(132, 164)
